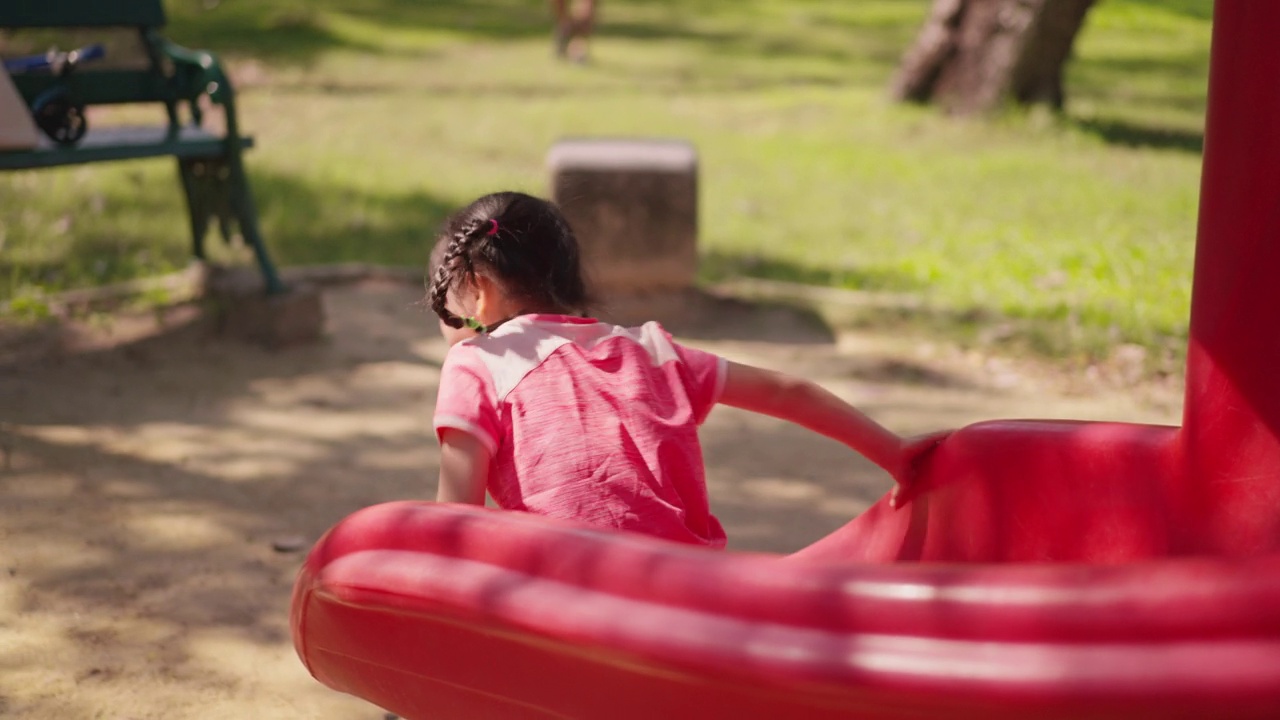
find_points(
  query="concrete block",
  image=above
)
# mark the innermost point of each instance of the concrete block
(633, 205)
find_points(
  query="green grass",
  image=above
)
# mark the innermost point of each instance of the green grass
(375, 117)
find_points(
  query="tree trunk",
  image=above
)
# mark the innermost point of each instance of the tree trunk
(973, 55)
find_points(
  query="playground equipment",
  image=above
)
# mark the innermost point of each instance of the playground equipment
(1044, 569)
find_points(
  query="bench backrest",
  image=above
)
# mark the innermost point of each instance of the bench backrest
(110, 85)
(81, 13)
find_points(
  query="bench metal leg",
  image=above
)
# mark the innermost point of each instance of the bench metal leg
(198, 194)
(218, 188)
(247, 214)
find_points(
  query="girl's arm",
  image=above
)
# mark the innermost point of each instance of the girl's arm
(809, 405)
(464, 468)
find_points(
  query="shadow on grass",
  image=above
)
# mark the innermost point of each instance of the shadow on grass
(1172, 84)
(1197, 9)
(884, 301)
(288, 32)
(281, 31)
(720, 265)
(863, 44)
(303, 223)
(1119, 132)
(1184, 76)
(307, 223)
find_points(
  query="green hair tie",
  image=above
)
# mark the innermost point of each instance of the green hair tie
(474, 324)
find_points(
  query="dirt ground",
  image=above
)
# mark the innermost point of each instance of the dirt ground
(158, 481)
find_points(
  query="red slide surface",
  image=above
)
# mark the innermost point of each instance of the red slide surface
(1043, 570)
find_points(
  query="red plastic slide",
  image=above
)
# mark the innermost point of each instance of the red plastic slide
(1044, 569)
(435, 611)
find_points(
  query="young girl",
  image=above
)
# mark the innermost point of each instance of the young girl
(558, 414)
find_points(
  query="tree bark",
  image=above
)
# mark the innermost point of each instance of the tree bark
(973, 55)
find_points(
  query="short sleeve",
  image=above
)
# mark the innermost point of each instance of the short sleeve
(466, 399)
(704, 375)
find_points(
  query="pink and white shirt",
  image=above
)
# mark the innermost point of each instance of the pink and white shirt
(589, 421)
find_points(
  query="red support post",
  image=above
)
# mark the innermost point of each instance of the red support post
(1231, 424)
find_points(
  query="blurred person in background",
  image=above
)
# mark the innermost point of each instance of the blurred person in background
(575, 19)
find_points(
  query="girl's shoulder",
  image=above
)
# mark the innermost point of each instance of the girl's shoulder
(535, 337)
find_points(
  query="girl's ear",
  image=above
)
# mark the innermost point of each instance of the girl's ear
(489, 298)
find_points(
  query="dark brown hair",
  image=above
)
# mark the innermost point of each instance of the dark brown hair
(523, 241)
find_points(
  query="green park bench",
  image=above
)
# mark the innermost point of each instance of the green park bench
(209, 164)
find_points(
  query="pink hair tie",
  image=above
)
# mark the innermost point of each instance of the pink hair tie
(493, 230)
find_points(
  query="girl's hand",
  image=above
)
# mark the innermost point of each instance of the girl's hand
(913, 454)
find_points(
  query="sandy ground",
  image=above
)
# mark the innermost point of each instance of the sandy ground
(153, 476)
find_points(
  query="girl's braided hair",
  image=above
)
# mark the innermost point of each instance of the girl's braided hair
(526, 245)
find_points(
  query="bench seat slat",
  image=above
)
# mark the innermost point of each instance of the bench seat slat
(120, 143)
